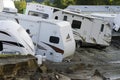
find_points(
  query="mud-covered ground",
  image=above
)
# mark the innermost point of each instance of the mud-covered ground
(92, 63)
(98, 62)
(87, 64)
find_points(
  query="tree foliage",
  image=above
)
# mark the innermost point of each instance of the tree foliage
(47, 2)
(63, 3)
(20, 5)
(68, 2)
(115, 2)
(98, 2)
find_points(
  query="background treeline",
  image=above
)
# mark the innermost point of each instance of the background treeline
(21, 4)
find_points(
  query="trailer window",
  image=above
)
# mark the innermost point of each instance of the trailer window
(43, 15)
(65, 18)
(54, 39)
(56, 17)
(102, 27)
(76, 24)
(1, 46)
(28, 31)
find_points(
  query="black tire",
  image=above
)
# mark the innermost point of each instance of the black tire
(78, 44)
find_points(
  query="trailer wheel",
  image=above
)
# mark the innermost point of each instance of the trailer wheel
(78, 43)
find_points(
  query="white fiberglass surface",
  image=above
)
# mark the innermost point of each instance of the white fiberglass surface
(8, 4)
(25, 37)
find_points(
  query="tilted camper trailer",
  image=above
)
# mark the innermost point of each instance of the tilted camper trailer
(52, 38)
(14, 39)
(106, 12)
(85, 29)
(113, 20)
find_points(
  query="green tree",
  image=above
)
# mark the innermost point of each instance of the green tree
(84, 2)
(63, 3)
(115, 2)
(68, 2)
(57, 3)
(20, 5)
(94, 2)
(47, 2)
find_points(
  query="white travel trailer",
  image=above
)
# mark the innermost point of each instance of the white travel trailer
(52, 38)
(85, 29)
(14, 39)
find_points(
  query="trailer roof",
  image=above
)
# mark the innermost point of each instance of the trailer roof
(96, 8)
(39, 19)
(81, 15)
(33, 18)
(63, 10)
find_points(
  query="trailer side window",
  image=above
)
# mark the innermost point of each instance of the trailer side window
(54, 39)
(56, 17)
(65, 18)
(43, 15)
(1, 46)
(55, 10)
(76, 24)
(28, 31)
(102, 27)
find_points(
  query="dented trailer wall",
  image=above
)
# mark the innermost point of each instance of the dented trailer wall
(106, 12)
(14, 39)
(52, 38)
(86, 29)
